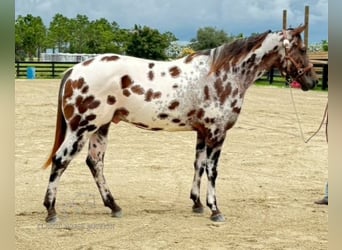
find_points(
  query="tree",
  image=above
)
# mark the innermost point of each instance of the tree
(325, 46)
(148, 43)
(30, 36)
(106, 37)
(208, 38)
(59, 33)
(80, 33)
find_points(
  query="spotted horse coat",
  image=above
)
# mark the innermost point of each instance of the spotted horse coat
(202, 92)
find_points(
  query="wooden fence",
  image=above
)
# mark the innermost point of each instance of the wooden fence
(55, 69)
(42, 69)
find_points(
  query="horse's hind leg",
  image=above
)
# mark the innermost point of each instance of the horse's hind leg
(199, 166)
(96, 152)
(66, 152)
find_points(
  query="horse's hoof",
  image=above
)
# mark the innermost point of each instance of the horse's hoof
(117, 214)
(198, 210)
(51, 219)
(217, 217)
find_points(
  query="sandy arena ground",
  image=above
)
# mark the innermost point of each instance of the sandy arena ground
(267, 183)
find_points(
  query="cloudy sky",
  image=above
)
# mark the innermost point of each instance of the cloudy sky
(184, 17)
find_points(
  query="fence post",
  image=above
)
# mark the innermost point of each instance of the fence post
(18, 66)
(325, 77)
(53, 69)
(270, 76)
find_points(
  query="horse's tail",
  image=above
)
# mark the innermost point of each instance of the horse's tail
(60, 123)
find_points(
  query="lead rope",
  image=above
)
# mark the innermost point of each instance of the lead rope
(320, 126)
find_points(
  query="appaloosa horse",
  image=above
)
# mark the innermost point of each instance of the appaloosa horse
(202, 92)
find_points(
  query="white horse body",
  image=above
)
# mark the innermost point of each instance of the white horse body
(202, 92)
(105, 78)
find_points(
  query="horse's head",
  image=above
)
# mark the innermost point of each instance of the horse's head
(296, 64)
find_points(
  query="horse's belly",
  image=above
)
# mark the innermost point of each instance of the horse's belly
(152, 119)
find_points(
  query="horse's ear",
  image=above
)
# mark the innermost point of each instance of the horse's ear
(298, 30)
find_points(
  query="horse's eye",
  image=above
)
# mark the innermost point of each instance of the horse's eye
(303, 49)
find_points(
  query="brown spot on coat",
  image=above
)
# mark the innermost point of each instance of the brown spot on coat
(68, 91)
(233, 103)
(90, 117)
(175, 71)
(120, 114)
(163, 116)
(126, 82)
(206, 93)
(74, 122)
(150, 75)
(175, 86)
(200, 113)
(173, 105)
(191, 113)
(229, 125)
(235, 92)
(110, 58)
(150, 65)
(94, 104)
(85, 89)
(189, 58)
(77, 84)
(68, 111)
(78, 101)
(126, 92)
(87, 62)
(237, 110)
(156, 95)
(176, 120)
(111, 100)
(148, 95)
(218, 84)
(83, 123)
(83, 105)
(137, 89)
(226, 92)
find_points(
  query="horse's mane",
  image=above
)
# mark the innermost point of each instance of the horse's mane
(231, 53)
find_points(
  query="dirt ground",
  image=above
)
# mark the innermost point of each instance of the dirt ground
(267, 183)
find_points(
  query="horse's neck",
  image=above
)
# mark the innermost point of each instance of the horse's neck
(253, 66)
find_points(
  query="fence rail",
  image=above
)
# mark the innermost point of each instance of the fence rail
(42, 69)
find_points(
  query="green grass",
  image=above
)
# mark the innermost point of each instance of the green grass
(280, 83)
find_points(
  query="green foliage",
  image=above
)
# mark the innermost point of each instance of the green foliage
(59, 33)
(209, 37)
(30, 36)
(80, 35)
(80, 31)
(325, 46)
(149, 43)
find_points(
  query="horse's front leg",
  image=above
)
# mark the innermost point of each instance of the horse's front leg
(213, 155)
(199, 166)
